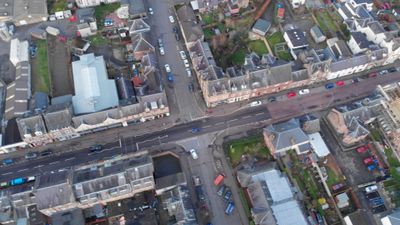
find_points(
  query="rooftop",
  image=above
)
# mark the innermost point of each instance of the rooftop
(318, 145)
(191, 29)
(262, 25)
(361, 40)
(297, 38)
(93, 90)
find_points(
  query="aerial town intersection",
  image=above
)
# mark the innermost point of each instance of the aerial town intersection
(219, 112)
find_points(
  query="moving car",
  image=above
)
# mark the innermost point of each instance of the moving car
(167, 68)
(329, 85)
(183, 55)
(186, 62)
(255, 103)
(8, 161)
(291, 94)
(151, 12)
(46, 152)
(189, 72)
(195, 130)
(171, 19)
(340, 83)
(31, 155)
(193, 153)
(96, 148)
(304, 91)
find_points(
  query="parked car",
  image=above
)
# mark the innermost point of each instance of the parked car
(304, 91)
(392, 70)
(4, 184)
(383, 72)
(151, 12)
(162, 51)
(96, 148)
(229, 208)
(46, 152)
(228, 195)
(177, 37)
(160, 42)
(190, 87)
(340, 83)
(373, 74)
(189, 72)
(272, 99)
(291, 94)
(329, 85)
(362, 149)
(175, 29)
(196, 181)
(221, 190)
(31, 155)
(219, 179)
(193, 153)
(171, 19)
(30, 179)
(8, 161)
(167, 68)
(255, 103)
(186, 62)
(182, 54)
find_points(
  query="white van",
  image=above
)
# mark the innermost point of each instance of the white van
(371, 189)
(194, 153)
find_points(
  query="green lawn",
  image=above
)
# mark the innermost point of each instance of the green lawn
(208, 18)
(375, 134)
(275, 38)
(103, 10)
(325, 21)
(252, 145)
(42, 79)
(332, 178)
(245, 205)
(285, 56)
(237, 58)
(57, 5)
(98, 40)
(258, 47)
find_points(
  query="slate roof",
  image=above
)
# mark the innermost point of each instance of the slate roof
(73, 216)
(297, 37)
(85, 15)
(262, 25)
(30, 125)
(376, 27)
(361, 40)
(349, 63)
(58, 117)
(140, 44)
(191, 29)
(363, 1)
(286, 134)
(138, 26)
(136, 7)
(317, 31)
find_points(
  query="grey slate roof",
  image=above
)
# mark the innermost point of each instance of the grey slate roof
(73, 216)
(262, 25)
(30, 125)
(317, 31)
(138, 26)
(297, 37)
(363, 1)
(141, 44)
(40, 100)
(286, 134)
(376, 27)
(85, 15)
(57, 118)
(136, 7)
(191, 29)
(361, 40)
(349, 63)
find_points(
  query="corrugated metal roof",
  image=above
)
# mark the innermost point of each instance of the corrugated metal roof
(93, 90)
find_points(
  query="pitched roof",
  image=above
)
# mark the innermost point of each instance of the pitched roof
(140, 44)
(93, 90)
(58, 118)
(286, 134)
(135, 6)
(347, 63)
(262, 25)
(85, 15)
(317, 31)
(376, 27)
(31, 125)
(361, 39)
(138, 26)
(191, 29)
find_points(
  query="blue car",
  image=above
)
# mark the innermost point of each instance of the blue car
(196, 130)
(7, 162)
(329, 85)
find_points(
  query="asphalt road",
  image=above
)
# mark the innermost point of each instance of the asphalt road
(271, 112)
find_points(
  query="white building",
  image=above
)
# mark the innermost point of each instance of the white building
(4, 32)
(93, 90)
(368, 4)
(90, 3)
(297, 3)
(19, 51)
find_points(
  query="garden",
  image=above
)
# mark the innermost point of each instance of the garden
(250, 146)
(40, 68)
(277, 43)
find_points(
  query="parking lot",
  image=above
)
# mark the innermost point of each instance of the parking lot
(205, 168)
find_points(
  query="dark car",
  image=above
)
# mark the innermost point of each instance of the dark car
(271, 99)
(228, 195)
(392, 70)
(31, 155)
(190, 87)
(195, 130)
(96, 148)
(329, 85)
(177, 36)
(46, 152)
(175, 29)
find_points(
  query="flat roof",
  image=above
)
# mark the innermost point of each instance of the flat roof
(318, 145)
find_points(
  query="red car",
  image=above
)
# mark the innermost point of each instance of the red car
(362, 149)
(368, 161)
(291, 94)
(340, 83)
(373, 74)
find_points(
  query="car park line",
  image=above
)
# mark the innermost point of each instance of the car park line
(69, 159)
(6, 173)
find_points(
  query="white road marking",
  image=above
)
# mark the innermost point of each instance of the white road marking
(69, 159)
(52, 163)
(207, 126)
(23, 170)
(38, 166)
(233, 120)
(259, 114)
(219, 123)
(245, 117)
(7, 173)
